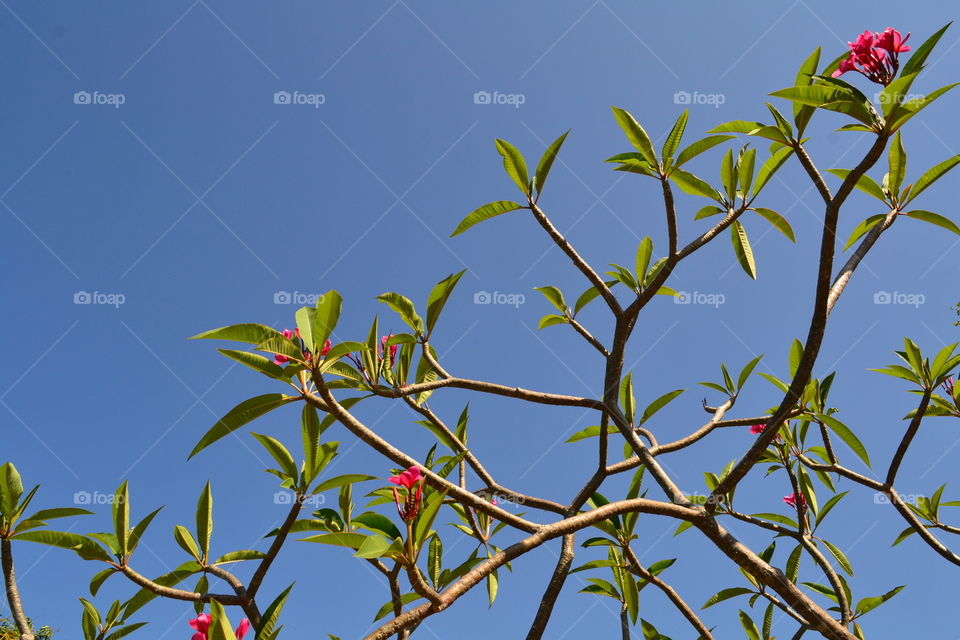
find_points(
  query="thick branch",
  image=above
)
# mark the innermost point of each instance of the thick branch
(13, 591)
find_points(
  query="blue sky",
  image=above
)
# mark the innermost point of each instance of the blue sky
(148, 166)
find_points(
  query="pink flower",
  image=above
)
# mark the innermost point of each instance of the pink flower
(408, 478)
(393, 349)
(875, 55)
(891, 41)
(757, 429)
(412, 481)
(280, 359)
(289, 334)
(202, 625)
(792, 500)
(326, 348)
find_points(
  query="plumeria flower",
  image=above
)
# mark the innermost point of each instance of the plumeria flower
(202, 625)
(875, 55)
(411, 481)
(757, 429)
(383, 348)
(793, 498)
(326, 348)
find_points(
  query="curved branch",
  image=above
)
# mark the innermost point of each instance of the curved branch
(669, 591)
(13, 591)
(854, 261)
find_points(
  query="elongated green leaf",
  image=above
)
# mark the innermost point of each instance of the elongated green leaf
(250, 333)
(636, 135)
(590, 432)
(919, 56)
(279, 453)
(550, 320)
(546, 161)
(865, 183)
(658, 404)
(898, 165)
(403, 306)
(932, 176)
(554, 296)
(862, 228)
(769, 168)
(256, 362)
(325, 318)
(840, 556)
(693, 185)
(270, 617)
(240, 415)
(438, 298)
(847, 436)
(83, 546)
(698, 147)
(725, 594)
(486, 212)
(742, 249)
(514, 165)
(121, 516)
(933, 218)
(672, 143)
(339, 481)
(779, 222)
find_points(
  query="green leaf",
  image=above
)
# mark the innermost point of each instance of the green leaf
(186, 541)
(554, 296)
(220, 625)
(725, 594)
(378, 523)
(121, 517)
(11, 489)
(546, 161)
(240, 415)
(270, 617)
(405, 308)
(514, 165)
(910, 108)
(438, 298)
(699, 147)
(636, 135)
(779, 222)
(325, 318)
(551, 320)
(865, 183)
(861, 229)
(350, 540)
(590, 432)
(693, 185)
(932, 175)
(279, 453)
(742, 249)
(83, 546)
(869, 604)
(803, 113)
(749, 626)
(830, 97)
(256, 362)
(839, 555)
(933, 218)
(627, 399)
(707, 211)
(486, 212)
(672, 142)
(644, 251)
(897, 157)
(738, 126)
(250, 333)
(658, 404)
(847, 436)
(919, 56)
(769, 168)
(747, 162)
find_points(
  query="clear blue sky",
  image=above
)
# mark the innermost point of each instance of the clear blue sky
(199, 198)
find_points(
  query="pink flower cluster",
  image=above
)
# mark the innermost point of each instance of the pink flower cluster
(282, 359)
(202, 625)
(875, 55)
(411, 481)
(383, 349)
